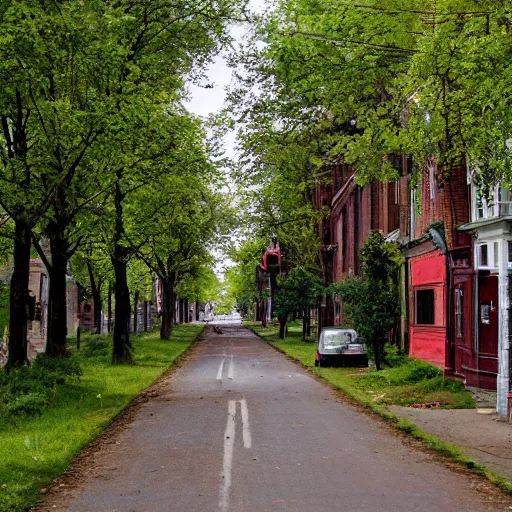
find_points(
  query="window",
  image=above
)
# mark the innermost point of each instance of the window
(498, 202)
(496, 254)
(479, 205)
(459, 308)
(425, 307)
(484, 256)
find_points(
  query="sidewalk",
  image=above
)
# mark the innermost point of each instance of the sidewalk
(480, 433)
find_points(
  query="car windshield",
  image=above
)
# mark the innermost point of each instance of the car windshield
(335, 338)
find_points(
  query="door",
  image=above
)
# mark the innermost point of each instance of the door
(488, 325)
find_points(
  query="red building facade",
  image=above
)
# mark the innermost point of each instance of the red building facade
(440, 290)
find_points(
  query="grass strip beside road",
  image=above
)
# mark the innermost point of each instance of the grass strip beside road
(409, 381)
(376, 390)
(36, 449)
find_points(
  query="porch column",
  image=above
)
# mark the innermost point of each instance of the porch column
(503, 330)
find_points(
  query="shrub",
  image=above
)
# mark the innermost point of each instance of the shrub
(97, 346)
(439, 383)
(418, 371)
(67, 367)
(411, 372)
(29, 404)
(27, 390)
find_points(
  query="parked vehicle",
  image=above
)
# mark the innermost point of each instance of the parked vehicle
(340, 347)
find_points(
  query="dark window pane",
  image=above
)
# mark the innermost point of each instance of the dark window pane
(425, 307)
(459, 311)
(484, 258)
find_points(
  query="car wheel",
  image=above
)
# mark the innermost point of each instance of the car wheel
(317, 362)
(321, 364)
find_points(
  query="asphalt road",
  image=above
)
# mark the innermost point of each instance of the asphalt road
(241, 428)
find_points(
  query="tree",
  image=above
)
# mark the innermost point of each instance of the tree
(372, 298)
(239, 280)
(173, 220)
(460, 76)
(202, 286)
(301, 292)
(46, 127)
(92, 269)
(76, 76)
(332, 76)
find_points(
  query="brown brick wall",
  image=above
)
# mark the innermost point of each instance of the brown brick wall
(456, 206)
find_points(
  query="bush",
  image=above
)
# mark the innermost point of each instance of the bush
(29, 404)
(411, 372)
(439, 383)
(27, 390)
(417, 371)
(66, 367)
(97, 346)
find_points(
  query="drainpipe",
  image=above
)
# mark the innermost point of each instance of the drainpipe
(503, 331)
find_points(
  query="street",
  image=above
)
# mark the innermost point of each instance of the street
(239, 427)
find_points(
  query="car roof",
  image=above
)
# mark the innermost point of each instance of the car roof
(338, 329)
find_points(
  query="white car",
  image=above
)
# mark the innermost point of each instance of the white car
(340, 347)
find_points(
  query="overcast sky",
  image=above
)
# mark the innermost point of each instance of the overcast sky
(204, 102)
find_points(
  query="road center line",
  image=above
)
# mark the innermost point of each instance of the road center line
(229, 444)
(231, 371)
(245, 423)
(219, 373)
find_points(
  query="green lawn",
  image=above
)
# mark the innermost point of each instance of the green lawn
(34, 450)
(409, 381)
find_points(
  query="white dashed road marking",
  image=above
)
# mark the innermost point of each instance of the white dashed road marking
(221, 368)
(229, 446)
(231, 371)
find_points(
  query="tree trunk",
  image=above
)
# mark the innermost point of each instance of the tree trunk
(180, 311)
(121, 340)
(168, 309)
(19, 296)
(145, 316)
(96, 299)
(121, 350)
(264, 313)
(283, 320)
(57, 306)
(136, 311)
(109, 308)
(377, 362)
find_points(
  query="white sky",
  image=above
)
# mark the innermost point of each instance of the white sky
(204, 102)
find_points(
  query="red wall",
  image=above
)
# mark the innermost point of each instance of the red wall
(428, 342)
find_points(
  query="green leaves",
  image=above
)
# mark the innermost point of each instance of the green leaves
(371, 301)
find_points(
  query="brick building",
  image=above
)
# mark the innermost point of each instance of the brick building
(453, 306)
